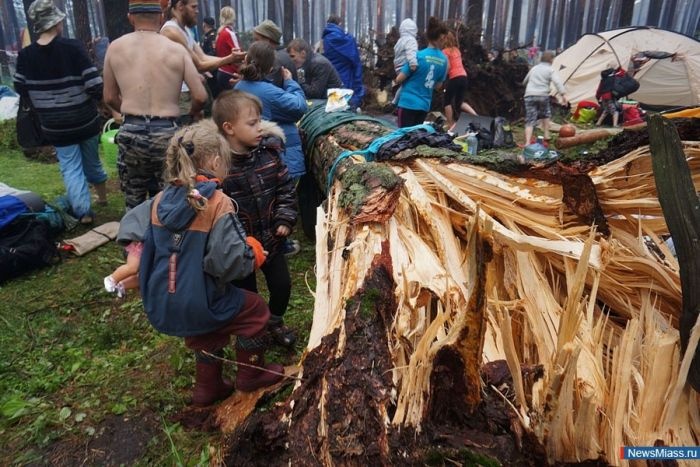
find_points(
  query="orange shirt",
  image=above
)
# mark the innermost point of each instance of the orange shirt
(454, 57)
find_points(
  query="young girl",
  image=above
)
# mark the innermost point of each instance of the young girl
(193, 248)
(457, 81)
(260, 184)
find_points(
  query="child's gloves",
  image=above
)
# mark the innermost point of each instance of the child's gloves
(258, 251)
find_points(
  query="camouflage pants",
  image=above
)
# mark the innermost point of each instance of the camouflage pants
(142, 145)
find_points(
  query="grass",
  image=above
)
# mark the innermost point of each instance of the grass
(82, 371)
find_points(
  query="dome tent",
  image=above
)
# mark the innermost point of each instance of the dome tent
(666, 82)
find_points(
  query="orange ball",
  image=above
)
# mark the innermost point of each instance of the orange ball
(567, 130)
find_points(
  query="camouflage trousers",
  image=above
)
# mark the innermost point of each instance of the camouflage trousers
(142, 144)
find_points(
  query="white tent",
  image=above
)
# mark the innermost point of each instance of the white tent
(671, 82)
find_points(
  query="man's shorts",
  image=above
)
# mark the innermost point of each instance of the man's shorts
(536, 108)
(142, 144)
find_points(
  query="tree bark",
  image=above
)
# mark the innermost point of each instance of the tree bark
(116, 18)
(30, 23)
(306, 20)
(288, 21)
(420, 16)
(681, 207)
(81, 18)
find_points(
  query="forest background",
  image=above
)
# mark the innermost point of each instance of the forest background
(499, 24)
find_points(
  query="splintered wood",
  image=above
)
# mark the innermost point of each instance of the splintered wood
(489, 267)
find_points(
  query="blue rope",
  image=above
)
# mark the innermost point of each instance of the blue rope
(370, 151)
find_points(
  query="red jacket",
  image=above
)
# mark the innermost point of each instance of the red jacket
(227, 41)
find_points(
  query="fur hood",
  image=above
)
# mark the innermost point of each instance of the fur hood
(272, 130)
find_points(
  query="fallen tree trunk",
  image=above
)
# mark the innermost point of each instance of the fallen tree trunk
(474, 267)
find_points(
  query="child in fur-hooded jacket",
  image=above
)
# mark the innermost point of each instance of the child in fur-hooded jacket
(260, 184)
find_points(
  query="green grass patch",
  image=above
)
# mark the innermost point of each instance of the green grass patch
(74, 360)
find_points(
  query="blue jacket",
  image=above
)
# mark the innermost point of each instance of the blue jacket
(341, 49)
(189, 260)
(284, 106)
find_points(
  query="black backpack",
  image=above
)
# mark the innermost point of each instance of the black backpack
(25, 245)
(624, 86)
(502, 135)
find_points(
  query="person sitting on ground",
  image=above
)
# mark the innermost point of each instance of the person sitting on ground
(417, 91)
(64, 87)
(194, 247)
(604, 94)
(341, 49)
(268, 31)
(315, 73)
(457, 82)
(150, 111)
(537, 83)
(260, 183)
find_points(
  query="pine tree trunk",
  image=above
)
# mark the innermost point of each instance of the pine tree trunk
(30, 23)
(116, 18)
(288, 21)
(306, 20)
(81, 18)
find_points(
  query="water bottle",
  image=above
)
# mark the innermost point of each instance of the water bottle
(472, 144)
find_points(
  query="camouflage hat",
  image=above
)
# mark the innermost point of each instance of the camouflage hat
(45, 15)
(269, 30)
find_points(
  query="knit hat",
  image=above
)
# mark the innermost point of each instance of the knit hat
(269, 30)
(45, 15)
(144, 6)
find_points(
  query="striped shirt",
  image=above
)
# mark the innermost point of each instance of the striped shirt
(63, 86)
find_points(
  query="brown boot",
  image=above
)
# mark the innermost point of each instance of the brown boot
(253, 373)
(101, 190)
(209, 386)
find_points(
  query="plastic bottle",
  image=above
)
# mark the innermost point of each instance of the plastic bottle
(472, 144)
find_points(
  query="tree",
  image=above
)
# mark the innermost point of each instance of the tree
(420, 16)
(30, 23)
(81, 17)
(288, 20)
(306, 14)
(116, 21)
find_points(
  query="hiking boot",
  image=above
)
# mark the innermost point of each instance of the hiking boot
(280, 333)
(253, 373)
(291, 247)
(283, 335)
(209, 385)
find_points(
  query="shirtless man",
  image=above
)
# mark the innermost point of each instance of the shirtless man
(184, 15)
(142, 77)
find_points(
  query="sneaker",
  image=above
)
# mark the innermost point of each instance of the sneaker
(291, 247)
(87, 219)
(110, 285)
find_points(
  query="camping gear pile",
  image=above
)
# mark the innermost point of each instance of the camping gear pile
(443, 269)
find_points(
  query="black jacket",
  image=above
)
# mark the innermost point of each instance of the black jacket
(260, 184)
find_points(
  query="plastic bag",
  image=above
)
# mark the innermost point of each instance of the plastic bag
(338, 99)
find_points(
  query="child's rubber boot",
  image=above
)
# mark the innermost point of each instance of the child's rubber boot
(209, 385)
(253, 373)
